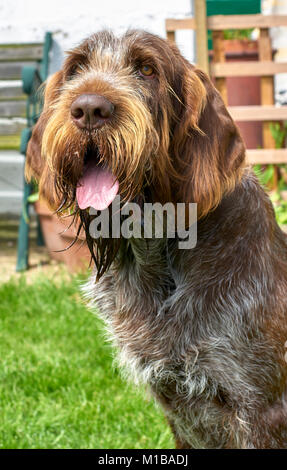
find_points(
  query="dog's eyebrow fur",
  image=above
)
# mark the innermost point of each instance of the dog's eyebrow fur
(204, 328)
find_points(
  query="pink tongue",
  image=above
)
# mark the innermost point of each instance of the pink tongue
(97, 188)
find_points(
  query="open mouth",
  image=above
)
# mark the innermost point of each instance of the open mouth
(97, 187)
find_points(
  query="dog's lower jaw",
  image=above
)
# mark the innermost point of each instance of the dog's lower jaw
(181, 321)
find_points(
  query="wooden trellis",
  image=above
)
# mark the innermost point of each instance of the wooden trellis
(265, 68)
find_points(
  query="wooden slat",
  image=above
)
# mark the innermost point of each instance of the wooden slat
(12, 70)
(258, 113)
(174, 24)
(20, 52)
(12, 108)
(10, 91)
(9, 142)
(219, 57)
(12, 126)
(12, 156)
(266, 84)
(221, 22)
(201, 35)
(266, 156)
(246, 69)
(11, 170)
(170, 36)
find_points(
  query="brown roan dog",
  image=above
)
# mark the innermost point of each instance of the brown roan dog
(205, 328)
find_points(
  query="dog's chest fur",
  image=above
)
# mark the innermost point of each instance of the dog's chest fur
(181, 323)
(140, 304)
(163, 340)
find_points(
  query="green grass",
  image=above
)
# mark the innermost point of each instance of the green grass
(58, 388)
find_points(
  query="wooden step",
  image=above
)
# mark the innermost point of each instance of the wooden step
(11, 182)
(12, 70)
(12, 126)
(10, 142)
(11, 90)
(11, 156)
(12, 108)
(173, 24)
(11, 202)
(265, 156)
(221, 22)
(247, 69)
(258, 113)
(11, 170)
(10, 52)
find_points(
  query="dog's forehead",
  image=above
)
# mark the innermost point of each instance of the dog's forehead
(103, 41)
(102, 45)
(105, 45)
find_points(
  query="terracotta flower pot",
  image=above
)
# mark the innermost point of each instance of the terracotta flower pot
(59, 236)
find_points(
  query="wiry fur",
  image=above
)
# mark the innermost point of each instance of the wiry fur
(204, 328)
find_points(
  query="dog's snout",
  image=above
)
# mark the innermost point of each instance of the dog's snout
(91, 111)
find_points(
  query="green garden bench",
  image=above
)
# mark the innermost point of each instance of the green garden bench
(32, 77)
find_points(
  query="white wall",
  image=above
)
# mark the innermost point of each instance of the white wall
(72, 20)
(279, 42)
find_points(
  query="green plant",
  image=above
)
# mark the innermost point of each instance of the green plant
(33, 197)
(279, 133)
(267, 174)
(238, 33)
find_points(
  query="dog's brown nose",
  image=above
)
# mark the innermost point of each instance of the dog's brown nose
(91, 111)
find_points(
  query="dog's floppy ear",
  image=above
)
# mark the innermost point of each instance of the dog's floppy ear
(36, 166)
(208, 148)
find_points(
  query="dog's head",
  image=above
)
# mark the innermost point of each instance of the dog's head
(131, 116)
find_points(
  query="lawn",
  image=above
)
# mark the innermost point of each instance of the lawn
(58, 388)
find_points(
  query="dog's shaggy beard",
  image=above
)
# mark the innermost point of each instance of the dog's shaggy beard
(129, 147)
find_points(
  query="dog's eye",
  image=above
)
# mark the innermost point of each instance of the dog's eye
(146, 71)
